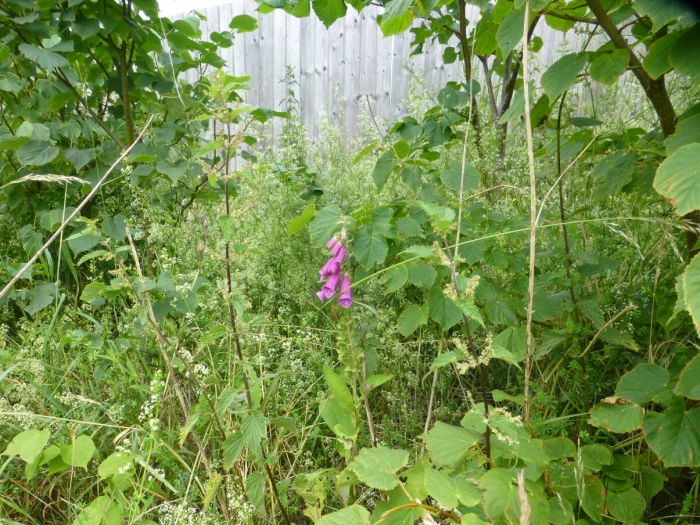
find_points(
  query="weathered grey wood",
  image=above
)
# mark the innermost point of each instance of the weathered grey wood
(340, 68)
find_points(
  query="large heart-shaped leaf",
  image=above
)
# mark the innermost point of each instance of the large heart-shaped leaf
(377, 467)
(674, 435)
(678, 179)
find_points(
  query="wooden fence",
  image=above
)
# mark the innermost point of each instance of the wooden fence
(344, 70)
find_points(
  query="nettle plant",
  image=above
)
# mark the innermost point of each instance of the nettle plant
(443, 248)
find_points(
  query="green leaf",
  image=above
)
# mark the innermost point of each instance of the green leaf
(37, 153)
(501, 353)
(79, 453)
(396, 25)
(467, 493)
(684, 53)
(377, 467)
(328, 11)
(442, 488)
(585, 122)
(500, 312)
(395, 277)
(92, 292)
(340, 390)
(691, 290)
(49, 453)
(558, 448)
(28, 444)
(627, 506)
(442, 309)
(445, 359)
(369, 248)
(255, 488)
(608, 67)
(466, 304)
(233, 446)
(689, 381)
(595, 456)
(102, 509)
(243, 23)
(510, 32)
(396, 8)
(517, 106)
(229, 397)
(385, 164)
(82, 242)
(449, 445)
(657, 62)
(378, 380)
(593, 501)
(617, 416)
(420, 273)
(500, 395)
(339, 419)
(591, 309)
(673, 435)
(47, 59)
(678, 179)
(546, 306)
(10, 82)
(562, 74)
(79, 157)
(560, 511)
(298, 223)
(652, 482)
(352, 515)
(661, 13)
(253, 432)
(43, 296)
(324, 224)
(174, 173)
(687, 132)
(86, 27)
(411, 318)
(497, 485)
(402, 149)
(452, 177)
(113, 463)
(364, 152)
(642, 383)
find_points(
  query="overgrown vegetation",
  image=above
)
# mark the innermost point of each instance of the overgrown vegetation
(519, 343)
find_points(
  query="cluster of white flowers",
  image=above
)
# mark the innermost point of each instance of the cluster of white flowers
(199, 370)
(149, 410)
(15, 414)
(241, 510)
(183, 514)
(469, 363)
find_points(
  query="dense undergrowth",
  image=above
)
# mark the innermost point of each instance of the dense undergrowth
(166, 358)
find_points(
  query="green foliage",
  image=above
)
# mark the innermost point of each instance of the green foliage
(165, 358)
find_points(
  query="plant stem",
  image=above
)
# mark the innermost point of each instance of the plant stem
(529, 343)
(565, 233)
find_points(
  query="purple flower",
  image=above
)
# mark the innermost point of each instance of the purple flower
(331, 267)
(321, 295)
(338, 257)
(345, 299)
(336, 248)
(332, 242)
(331, 285)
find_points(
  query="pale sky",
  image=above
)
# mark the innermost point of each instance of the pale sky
(173, 7)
